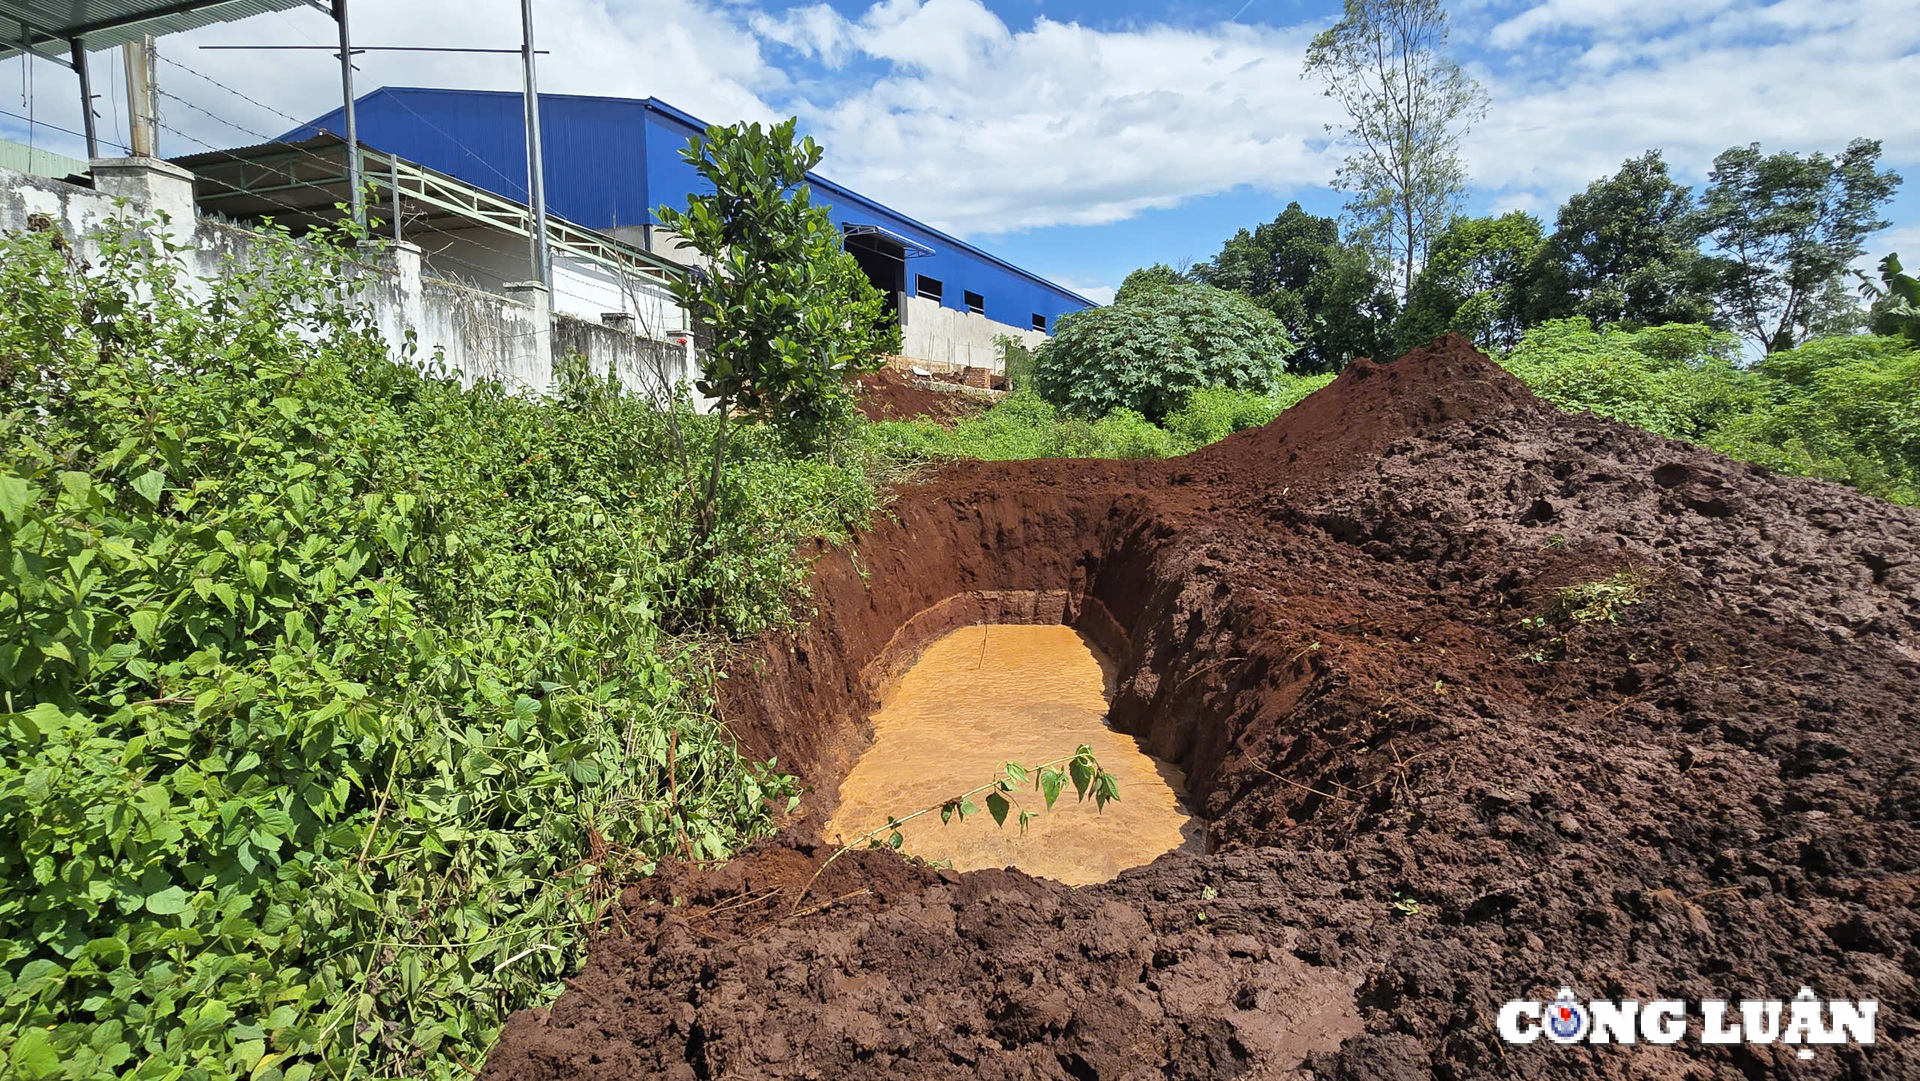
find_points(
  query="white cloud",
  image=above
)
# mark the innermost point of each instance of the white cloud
(1734, 77)
(942, 109)
(1096, 292)
(981, 128)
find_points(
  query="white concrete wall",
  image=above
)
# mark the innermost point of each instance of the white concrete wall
(947, 338)
(582, 288)
(474, 331)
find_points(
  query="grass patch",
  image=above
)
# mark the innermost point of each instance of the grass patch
(1026, 426)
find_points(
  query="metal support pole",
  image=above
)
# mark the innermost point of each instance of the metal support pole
(354, 181)
(393, 180)
(142, 141)
(536, 162)
(86, 97)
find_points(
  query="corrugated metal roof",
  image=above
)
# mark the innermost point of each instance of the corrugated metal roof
(32, 159)
(47, 25)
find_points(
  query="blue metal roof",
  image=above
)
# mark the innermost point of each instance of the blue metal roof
(611, 161)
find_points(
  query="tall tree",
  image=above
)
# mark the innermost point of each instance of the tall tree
(1625, 251)
(1473, 282)
(1787, 226)
(1408, 105)
(1328, 294)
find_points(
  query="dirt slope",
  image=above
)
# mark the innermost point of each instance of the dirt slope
(889, 395)
(1422, 802)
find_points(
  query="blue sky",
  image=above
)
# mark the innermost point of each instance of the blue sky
(1084, 139)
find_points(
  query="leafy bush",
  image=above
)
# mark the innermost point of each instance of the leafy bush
(1678, 380)
(1026, 426)
(332, 687)
(1214, 413)
(1016, 360)
(1149, 351)
(1844, 408)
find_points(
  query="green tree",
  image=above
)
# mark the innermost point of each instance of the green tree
(1625, 251)
(1147, 353)
(1408, 105)
(1896, 300)
(1148, 277)
(791, 315)
(1474, 282)
(1326, 293)
(1788, 225)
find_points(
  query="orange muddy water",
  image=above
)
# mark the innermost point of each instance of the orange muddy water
(984, 695)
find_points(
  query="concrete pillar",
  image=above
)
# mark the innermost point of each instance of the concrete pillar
(152, 188)
(408, 301)
(533, 359)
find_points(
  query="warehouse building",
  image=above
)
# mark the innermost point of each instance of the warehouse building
(611, 161)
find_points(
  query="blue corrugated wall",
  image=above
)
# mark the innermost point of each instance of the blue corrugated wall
(610, 161)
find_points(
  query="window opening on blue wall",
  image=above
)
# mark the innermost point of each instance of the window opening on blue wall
(976, 303)
(926, 287)
(1039, 321)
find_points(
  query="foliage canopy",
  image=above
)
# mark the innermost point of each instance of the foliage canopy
(1326, 293)
(1147, 353)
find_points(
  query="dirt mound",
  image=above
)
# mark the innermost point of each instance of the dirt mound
(1433, 782)
(889, 395)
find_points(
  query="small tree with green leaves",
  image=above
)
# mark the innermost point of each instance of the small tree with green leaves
(1148, 351)
(791, 315)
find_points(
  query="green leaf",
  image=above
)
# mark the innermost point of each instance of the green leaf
(168, 902)
(33, 1054)
(997, 806)
(1051, 781)
(150, 485)
(15, 495)
(895, 840)
(1082, 769)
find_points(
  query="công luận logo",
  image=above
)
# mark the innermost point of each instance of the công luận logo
(1803, 1021)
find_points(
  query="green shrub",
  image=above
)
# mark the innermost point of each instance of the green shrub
(331, 686)
(1845, 407)
(1151, 350)
(1017, 361)
(1214, 413)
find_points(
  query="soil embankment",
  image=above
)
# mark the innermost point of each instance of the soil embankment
(889, 394)
(1427, 788)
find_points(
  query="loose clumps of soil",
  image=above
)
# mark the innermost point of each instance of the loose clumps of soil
(1429, 789)
(889, 394)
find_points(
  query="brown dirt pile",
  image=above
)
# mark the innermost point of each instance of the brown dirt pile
(1422, 800)
(890, 395)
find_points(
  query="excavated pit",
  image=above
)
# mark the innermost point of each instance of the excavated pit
(1423, 797)
(989, 694)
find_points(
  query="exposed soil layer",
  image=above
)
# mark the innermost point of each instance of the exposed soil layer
(1428, 791)
(891, 395)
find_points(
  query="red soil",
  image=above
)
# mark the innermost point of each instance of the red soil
(890, 395)
(1325, 623)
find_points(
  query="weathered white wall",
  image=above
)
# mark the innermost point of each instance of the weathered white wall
(476, 332)
(947, 338)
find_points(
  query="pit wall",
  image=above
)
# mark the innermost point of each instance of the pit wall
(1100, 562)
(480, 335)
